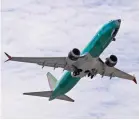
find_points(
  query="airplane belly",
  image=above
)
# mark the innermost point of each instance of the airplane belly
(88, 63)
(87, 66)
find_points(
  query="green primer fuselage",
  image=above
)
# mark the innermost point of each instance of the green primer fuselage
(95, 47)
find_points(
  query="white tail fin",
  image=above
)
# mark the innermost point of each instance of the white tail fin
(52, 81)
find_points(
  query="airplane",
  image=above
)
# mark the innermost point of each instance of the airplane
(79, 64)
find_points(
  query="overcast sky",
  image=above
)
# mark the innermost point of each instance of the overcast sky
(53, 28)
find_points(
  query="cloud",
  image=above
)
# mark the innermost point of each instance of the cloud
(53, 28)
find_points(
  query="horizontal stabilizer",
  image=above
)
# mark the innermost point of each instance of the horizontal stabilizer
(48, 94)
(40, 94)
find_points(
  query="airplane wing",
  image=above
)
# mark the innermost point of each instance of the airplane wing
(43, 61)
(105, 70)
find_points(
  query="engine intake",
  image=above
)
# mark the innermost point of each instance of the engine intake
(111, 61)
(74, 54)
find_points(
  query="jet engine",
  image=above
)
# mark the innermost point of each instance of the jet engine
(111, 61)
(74, 54)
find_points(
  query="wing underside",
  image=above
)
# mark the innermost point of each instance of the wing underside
(104, 70)
(43, 61)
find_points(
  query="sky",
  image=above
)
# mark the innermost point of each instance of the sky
(43, 28)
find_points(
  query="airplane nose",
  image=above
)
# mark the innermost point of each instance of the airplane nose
(119, 20)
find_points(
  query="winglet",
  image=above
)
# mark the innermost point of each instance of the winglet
(135, 80)
(9, 57)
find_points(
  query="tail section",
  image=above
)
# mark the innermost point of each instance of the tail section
(52, 81)
(48, 94)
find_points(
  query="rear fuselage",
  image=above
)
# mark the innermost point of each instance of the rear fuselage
(95, 47)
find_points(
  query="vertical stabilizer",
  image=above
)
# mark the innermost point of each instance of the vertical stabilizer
(52, 81)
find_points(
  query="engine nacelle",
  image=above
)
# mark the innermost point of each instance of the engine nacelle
(74, 54)
(111, 61)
